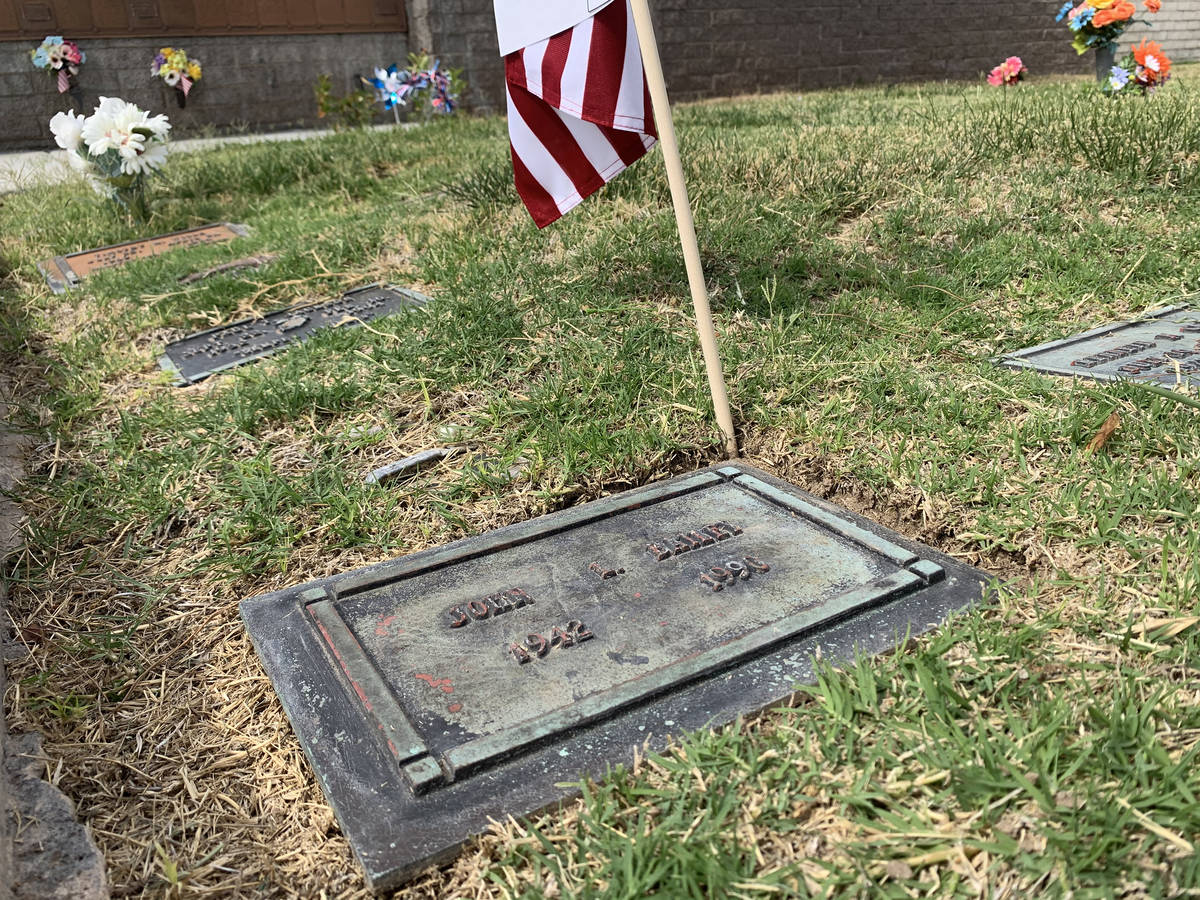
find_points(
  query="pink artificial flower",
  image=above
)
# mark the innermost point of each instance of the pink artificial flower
(1008, 72)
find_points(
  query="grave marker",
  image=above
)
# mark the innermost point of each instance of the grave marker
(205, 353)
(64, 272)
(1163, 348)
(441, 690)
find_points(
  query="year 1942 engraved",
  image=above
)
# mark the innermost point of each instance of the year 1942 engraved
(570, 635)
(733, 571)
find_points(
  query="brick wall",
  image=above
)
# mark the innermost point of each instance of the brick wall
(1176, 28)
(717, 48)
(709, 48)
(262, 82)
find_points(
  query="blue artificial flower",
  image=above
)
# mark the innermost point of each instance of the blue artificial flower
(1118, 78)
(53, 40)
(40, 59)
(1062, 13)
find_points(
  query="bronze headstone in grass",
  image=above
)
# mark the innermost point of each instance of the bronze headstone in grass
(63, 272)
(205, 353)
(1163, 348)
(466, 683)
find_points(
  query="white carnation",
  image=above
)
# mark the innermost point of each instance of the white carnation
(150, 159)
(160, 125)
(117, 125)
(67, 129)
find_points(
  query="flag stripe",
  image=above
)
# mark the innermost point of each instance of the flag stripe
(544, 121)
(606, 50)
(554, 60)
(578, 112)
(536, 198)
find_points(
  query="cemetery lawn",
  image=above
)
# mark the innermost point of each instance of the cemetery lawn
(868, 251)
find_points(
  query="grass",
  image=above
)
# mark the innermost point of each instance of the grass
(868, 251)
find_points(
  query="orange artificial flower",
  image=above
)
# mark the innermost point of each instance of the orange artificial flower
(1118, 12)
(1153, 62)
(1152, 5)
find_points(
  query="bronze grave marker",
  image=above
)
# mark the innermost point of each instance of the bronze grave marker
(205, 353)
(1162, 348)
(468, 682)
(63, 272)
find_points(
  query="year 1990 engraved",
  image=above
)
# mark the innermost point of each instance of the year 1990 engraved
(718, 576)
(570, 635)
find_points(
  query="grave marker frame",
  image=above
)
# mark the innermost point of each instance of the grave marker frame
(466, 683)
(65, 272)
(205, 353)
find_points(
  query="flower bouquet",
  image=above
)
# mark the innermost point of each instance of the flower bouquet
(1098, 24)
(117, 148)
(1009, 72)
(177, 70)
(59, 58)
(1145, 68)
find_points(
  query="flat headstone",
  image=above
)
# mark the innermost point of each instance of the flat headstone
(439, 691)
(205, 353)
(1162, 348)
(63, 272)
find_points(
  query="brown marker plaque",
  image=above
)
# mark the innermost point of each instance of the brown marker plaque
(63, 272)
(467, 683)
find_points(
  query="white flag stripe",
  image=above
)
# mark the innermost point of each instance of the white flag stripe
(595, 146)
(539, 161)
(631, 100)
(575, 73)
(532, 57)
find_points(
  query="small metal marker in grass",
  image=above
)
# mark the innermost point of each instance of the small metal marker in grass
(1162, 349)
(441, 691)
(205, 353)
(63, 272)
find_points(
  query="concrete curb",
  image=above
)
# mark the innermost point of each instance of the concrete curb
(44, 853)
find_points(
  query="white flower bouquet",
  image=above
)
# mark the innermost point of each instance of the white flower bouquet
(117, 148)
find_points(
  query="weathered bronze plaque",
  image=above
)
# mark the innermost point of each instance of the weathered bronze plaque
(63, 272)
(1163, 348)
(469, 682)
(205, 353)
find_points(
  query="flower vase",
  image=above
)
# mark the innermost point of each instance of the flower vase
(180, 97)
(1106, 58)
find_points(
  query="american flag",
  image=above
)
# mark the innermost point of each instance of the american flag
(579, 111)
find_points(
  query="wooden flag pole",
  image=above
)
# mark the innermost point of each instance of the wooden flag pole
(683, 217)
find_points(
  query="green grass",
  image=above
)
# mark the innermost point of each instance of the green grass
(867, 252)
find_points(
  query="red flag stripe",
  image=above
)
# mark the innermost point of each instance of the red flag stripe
(606, 54)
(554, 60)
(535, 197)
(628, 145)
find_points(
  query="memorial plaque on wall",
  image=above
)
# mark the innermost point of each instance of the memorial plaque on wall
(469, 682)
(205, 353)
(63, 272)
(1163, 348)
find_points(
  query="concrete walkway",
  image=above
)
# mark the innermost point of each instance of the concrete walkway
(19, 171)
